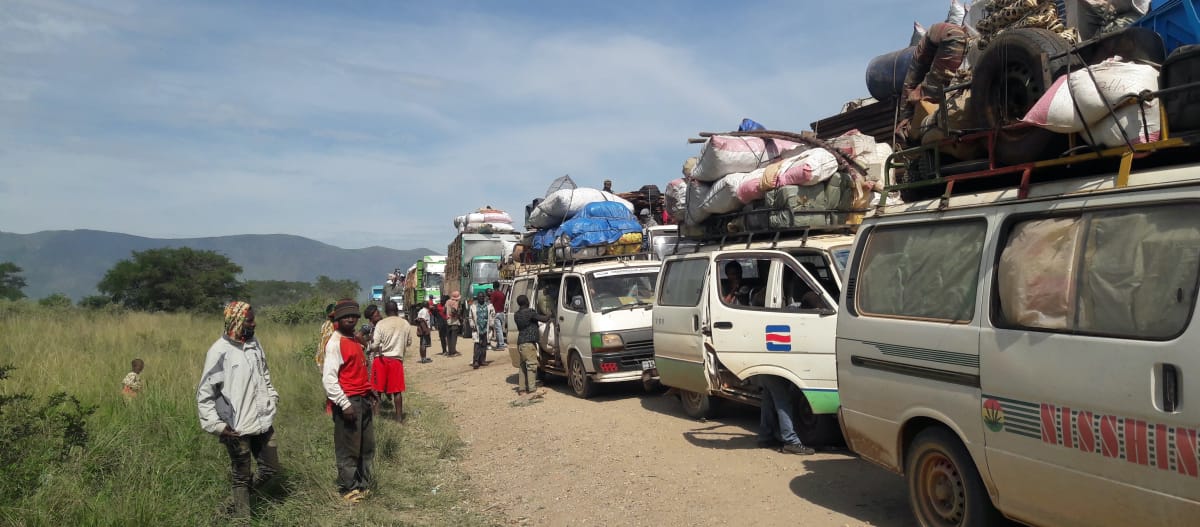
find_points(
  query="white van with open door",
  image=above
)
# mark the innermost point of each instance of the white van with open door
(711, 336)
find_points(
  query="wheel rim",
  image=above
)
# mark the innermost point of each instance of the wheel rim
(942, 492)
(691, 399)
(577, 374)
(1019, 91)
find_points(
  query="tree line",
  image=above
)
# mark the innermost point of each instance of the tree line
(185, 279)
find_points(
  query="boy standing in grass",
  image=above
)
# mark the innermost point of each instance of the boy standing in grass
(390, 342)
(348, 386)
(237, 402)
(131, 386)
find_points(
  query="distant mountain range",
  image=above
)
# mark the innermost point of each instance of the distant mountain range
(73, 262)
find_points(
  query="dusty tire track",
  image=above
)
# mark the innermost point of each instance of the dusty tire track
(627, 457)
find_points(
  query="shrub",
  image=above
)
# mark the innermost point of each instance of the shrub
(35, 435)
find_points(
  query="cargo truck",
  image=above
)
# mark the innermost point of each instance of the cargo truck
(473, 261)
(424, 280)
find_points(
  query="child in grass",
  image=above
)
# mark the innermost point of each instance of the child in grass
(132, 385)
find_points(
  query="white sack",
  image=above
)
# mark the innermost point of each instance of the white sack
(676, 199)
(697, 191)
(1106, 132)
(562, 204)
(723, 196)
(1114, 79)
(723, 154)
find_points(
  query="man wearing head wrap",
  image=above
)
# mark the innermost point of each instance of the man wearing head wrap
(481, 316)
(348, 386)
(236, 402)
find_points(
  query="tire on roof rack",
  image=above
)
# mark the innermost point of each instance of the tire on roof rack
(1013, 73)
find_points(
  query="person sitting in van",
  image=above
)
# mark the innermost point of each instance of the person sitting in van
(736, 293)
(800, 296)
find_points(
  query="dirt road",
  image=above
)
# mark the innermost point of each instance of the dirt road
(626, 457)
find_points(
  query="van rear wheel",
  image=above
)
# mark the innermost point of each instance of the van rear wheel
(695, 405)
(944, 488)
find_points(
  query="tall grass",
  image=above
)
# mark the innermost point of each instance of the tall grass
(147, 462)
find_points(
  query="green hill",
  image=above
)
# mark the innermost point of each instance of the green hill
(73, 262)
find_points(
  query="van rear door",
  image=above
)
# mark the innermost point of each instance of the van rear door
(1091, 345)
(680, 323)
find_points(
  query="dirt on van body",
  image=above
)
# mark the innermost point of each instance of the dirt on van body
(628, 457)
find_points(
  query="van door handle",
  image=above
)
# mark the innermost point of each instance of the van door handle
(1170, 387)
(723, 325)
(695, 322)
(561, 319)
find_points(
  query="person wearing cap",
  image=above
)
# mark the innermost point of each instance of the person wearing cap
(607, 186)
(481, 316)
(236, 402)
(348, 386)
(647, 219)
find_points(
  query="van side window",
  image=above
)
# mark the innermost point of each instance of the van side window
(743, 281)
(797, 294)
(1124, 273)
(925, 271)
(572, 290)
(520, 287)
(683, 282)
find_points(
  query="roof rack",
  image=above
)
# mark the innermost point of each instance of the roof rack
(724, 237)
(569, 264)
(934, 173)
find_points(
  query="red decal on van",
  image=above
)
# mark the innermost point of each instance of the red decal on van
(1049, 428)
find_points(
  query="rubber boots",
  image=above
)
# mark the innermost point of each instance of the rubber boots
(239, 503)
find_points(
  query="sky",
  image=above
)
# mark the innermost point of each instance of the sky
(362, 123)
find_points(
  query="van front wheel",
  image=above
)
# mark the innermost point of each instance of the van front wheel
(695, 405)
(944, 487)
(581, 383)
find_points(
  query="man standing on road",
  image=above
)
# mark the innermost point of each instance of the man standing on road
(236, 401)
(453, 323)
(346, 384)
(526, 361)
(481, 315)
(391, 341)
(497, 298)
(775, 428)
(425, 330)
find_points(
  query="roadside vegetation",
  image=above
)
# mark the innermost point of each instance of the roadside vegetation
(74, 451)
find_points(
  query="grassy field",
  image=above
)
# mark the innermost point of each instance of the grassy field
(146, 461)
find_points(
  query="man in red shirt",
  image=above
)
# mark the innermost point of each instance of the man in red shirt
(349, 388)
(497, 298)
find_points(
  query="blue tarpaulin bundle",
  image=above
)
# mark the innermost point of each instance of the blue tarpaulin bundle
(599, 223)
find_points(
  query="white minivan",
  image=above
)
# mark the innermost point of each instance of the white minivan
(1031, 356)
(712, 336)
(601, 315)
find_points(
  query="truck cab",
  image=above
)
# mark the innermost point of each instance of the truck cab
(601, 312)
(714, 333)
(483, 272)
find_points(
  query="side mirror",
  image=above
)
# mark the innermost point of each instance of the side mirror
(577, 303)
(826, 311)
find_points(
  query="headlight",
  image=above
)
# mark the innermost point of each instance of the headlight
(602, 342)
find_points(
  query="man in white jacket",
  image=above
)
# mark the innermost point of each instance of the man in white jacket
(237, 402)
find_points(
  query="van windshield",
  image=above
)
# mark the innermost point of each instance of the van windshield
(841, 256)
(610, 290)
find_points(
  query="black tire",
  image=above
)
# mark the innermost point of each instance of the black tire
(944, 488)
(577, 376)
(696, 405)
(1010, 77)
(815, 430)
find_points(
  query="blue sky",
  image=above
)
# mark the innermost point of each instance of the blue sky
(375, 123)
